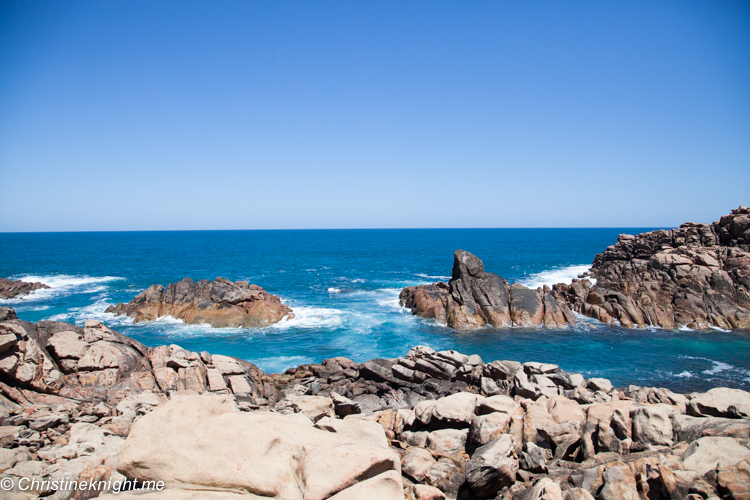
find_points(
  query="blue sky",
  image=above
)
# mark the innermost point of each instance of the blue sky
(240, 115)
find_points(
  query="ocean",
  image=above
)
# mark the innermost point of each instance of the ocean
(343, 286)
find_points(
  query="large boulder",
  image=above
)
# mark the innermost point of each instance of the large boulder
(720, 402)
(474, 298)
(204, 442)
(492, 467)
(710, 452)
(219, 303)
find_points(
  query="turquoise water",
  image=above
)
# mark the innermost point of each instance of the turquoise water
(343, 286)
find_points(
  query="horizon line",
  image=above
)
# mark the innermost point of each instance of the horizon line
(331, 229)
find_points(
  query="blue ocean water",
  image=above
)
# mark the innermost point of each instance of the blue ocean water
(343, 286)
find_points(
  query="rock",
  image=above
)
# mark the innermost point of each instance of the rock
(314, 407)
(734, 482)
(447, 440)
(344, 406)
(696, 275)
(416, 463)
(216, 382)
(204, 442)
(485, 428)
(619, 484)
(499, 403)
(219, 303)
(600, 384)
(708, 453)
(362, 430)
(544, 489)
(7, 459)
(577, 494)
(425, 492)
(10, 288)
(474, 298)
(387, 485)
(533, 368)
(651, 426)
(7, 313)
(454, 409)
(492, 467)
(688, 429)
(721, 402)
(533, 459)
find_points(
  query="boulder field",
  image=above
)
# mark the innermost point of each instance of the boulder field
(13, 288)
(83, 404)
(219, 303)
(697, 275)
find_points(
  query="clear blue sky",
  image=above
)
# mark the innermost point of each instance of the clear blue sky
(120, 115)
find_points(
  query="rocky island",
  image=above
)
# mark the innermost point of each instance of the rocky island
(13, 288)
(474, 298)
(219, 303)
(697, 276)
(89, 404)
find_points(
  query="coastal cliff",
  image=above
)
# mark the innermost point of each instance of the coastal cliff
(89, 404)
(219, 303)
(697, 275)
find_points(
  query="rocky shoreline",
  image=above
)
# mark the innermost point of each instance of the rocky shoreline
(92, 404)
(696, 276)
(10, 289)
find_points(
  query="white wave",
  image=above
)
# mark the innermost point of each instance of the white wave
(712, 327)
(312, 317)
(79, 315)
(685, 374)
(553, 276)
(279, 364)
(61, 284)
(335, 290)
(20, 308)
(422, 275)
(718, 367)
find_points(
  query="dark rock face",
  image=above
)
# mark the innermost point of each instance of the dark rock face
(697, 275)
(219, 303)
(10, 288)
(474, 298)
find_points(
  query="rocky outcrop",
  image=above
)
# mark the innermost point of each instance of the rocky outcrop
(219, 303)
(697, 275)
(99, 406)
(10, 288)
(474, 298)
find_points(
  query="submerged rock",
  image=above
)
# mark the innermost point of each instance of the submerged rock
(474, 298)
(219, 303)
(10, 288)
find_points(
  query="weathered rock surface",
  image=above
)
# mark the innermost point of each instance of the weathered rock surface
(262, 453)
(697, 275)
(474, 298)
(88, 403)
(13, 288)
(219, 303)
